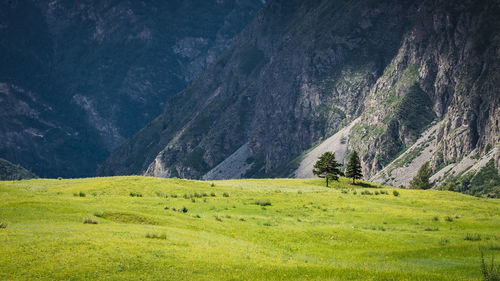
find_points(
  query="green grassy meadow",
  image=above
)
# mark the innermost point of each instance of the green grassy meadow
(308, 232)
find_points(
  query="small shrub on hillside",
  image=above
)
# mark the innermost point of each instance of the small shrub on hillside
(436, 218)
(448, 218)
(156, 236)
(183, 209)
(204, 194)
(90, 221)
(166, 207)
(59, 178)
(193, 200)
(81, 194)
(225, 194)
(217, 218)
(472, 237)
(376, 192)
(212, 184)
(161, 194)
(384, 192)
(3, 225)
(299, 192)
(267, 224)
(196, 216)
(432, 229)
(354, 192)
(490, 272)
(443, 241)
(366, 192)
(174, 209)
(263, 202)
(135, 194)
(197, 195)
(212, 194)
(185, 196)
(99, 214)
(242, 219)
(395, 193)
(173, 195)
(344, 191)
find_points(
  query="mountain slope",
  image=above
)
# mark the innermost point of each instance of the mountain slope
(301, 71)
(9, 171)
(79, 77)
(271, 89)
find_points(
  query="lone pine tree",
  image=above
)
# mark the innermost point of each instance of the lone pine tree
(327, 167)
(353, 169)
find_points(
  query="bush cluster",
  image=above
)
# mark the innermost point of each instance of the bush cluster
(156, 236)
(90, 221)
(135, 194)
(183, 209)
(432, 229)
(263, 202)
(79, 194)
(197, 195)
(472, 237)
(161, 194)
(366, 192)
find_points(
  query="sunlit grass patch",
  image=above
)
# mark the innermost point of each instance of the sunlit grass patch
(279, 229)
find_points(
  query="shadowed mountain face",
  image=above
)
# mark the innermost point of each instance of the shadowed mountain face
(79, 77)
(9, 171)
(302, 70)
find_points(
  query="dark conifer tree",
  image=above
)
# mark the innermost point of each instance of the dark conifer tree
(422, 178)
(353, 169)
(327, 167)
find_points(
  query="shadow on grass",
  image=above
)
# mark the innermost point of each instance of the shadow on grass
(366, 184)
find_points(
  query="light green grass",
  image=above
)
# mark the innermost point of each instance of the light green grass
(309, 232)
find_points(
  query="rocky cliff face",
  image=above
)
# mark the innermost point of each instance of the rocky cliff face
(85, 75)
(305, 69)
(444, 70)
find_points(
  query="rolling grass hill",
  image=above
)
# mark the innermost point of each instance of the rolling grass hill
(278, 229)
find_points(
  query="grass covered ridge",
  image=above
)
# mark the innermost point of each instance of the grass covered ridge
(280, 229)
